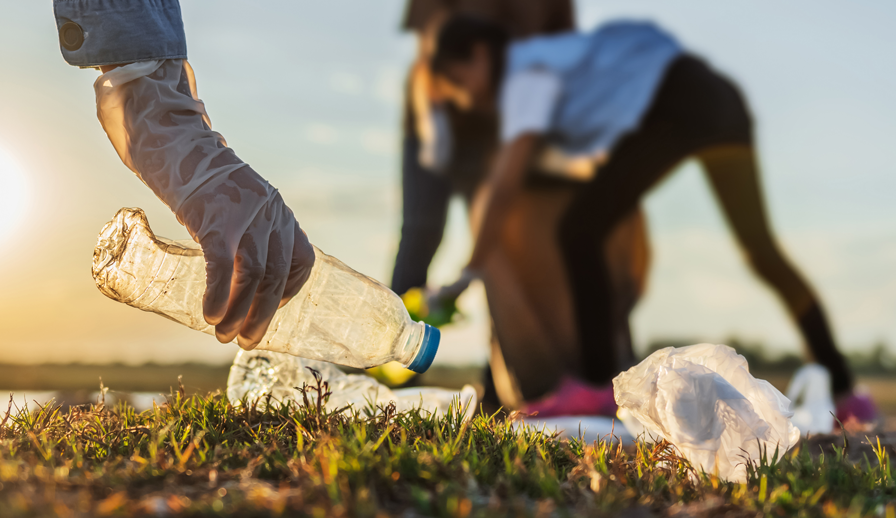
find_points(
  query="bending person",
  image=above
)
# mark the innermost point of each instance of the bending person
(447, 152)
(257, 257)
(627, 103)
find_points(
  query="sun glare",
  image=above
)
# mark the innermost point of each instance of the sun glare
(13, 195)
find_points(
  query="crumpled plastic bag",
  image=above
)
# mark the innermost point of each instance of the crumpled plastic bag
(703, 399)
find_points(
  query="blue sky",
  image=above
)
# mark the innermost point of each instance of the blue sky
(309, 93)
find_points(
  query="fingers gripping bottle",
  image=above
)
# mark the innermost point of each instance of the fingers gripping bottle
(339, 316)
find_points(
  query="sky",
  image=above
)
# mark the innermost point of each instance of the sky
(309, 93)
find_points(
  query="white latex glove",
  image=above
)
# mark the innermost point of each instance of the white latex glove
(257, 257)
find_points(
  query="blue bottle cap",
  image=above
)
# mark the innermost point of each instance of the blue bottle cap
(428, 350)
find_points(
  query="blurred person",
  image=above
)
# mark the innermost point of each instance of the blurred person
(447, 151)
(626, 103)
(257, 256)
(147, 102)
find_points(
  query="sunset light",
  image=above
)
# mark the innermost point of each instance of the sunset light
(13, 194)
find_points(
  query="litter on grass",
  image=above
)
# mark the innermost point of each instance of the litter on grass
(703, 399)
(587, 428)
(257, 374)
(338, 316)
(812, 399)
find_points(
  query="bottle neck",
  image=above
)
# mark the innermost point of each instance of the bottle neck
(410, 341)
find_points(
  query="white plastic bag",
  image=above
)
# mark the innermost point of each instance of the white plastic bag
(703, 400)
(813, 401)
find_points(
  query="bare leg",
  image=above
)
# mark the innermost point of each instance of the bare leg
(733, 173)
(531, 301)
(628, 258)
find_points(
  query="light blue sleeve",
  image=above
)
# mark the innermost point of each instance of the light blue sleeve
(109, 32)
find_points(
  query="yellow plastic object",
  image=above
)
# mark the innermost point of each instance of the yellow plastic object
(441, 313)
(392, 374)
(415, 302)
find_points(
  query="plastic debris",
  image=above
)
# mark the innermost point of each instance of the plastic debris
(704, 401)
(588, 428)
(257, 374)
(812, 398)
(339, 315)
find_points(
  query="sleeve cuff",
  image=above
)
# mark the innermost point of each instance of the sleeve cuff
(110, 32)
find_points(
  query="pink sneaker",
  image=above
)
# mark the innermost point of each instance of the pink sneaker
(574, 397)
(856, 407)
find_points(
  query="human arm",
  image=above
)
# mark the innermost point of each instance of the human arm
(527, 102)
(425, 198)
(500, 191)
(257, 256)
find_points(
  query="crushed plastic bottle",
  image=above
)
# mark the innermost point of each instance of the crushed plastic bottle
(339, 316)
(703, 399)
(813, 401)
(257, 374)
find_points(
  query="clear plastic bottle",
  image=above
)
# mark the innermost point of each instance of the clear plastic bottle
(339, 316)
(257, 374)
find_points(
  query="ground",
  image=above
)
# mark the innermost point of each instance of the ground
(201, 456)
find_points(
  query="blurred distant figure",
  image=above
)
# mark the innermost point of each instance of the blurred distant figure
(621, 106)
(448, 151)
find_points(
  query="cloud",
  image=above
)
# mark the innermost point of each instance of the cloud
(388, 86)
(346, 83)
(321, 134)
(379, 142)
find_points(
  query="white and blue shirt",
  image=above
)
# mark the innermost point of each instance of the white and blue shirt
(584, 91)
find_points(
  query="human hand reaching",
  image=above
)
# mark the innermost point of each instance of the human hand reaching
(257, 257)
(250, 273)
(451, 292)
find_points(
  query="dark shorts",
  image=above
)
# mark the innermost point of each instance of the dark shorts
(694, 108)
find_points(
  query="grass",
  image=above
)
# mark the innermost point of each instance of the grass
(202, 456)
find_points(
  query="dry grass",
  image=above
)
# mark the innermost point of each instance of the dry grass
(202, 456)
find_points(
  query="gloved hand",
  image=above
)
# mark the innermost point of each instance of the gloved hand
(257, 257)
(451, 292)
